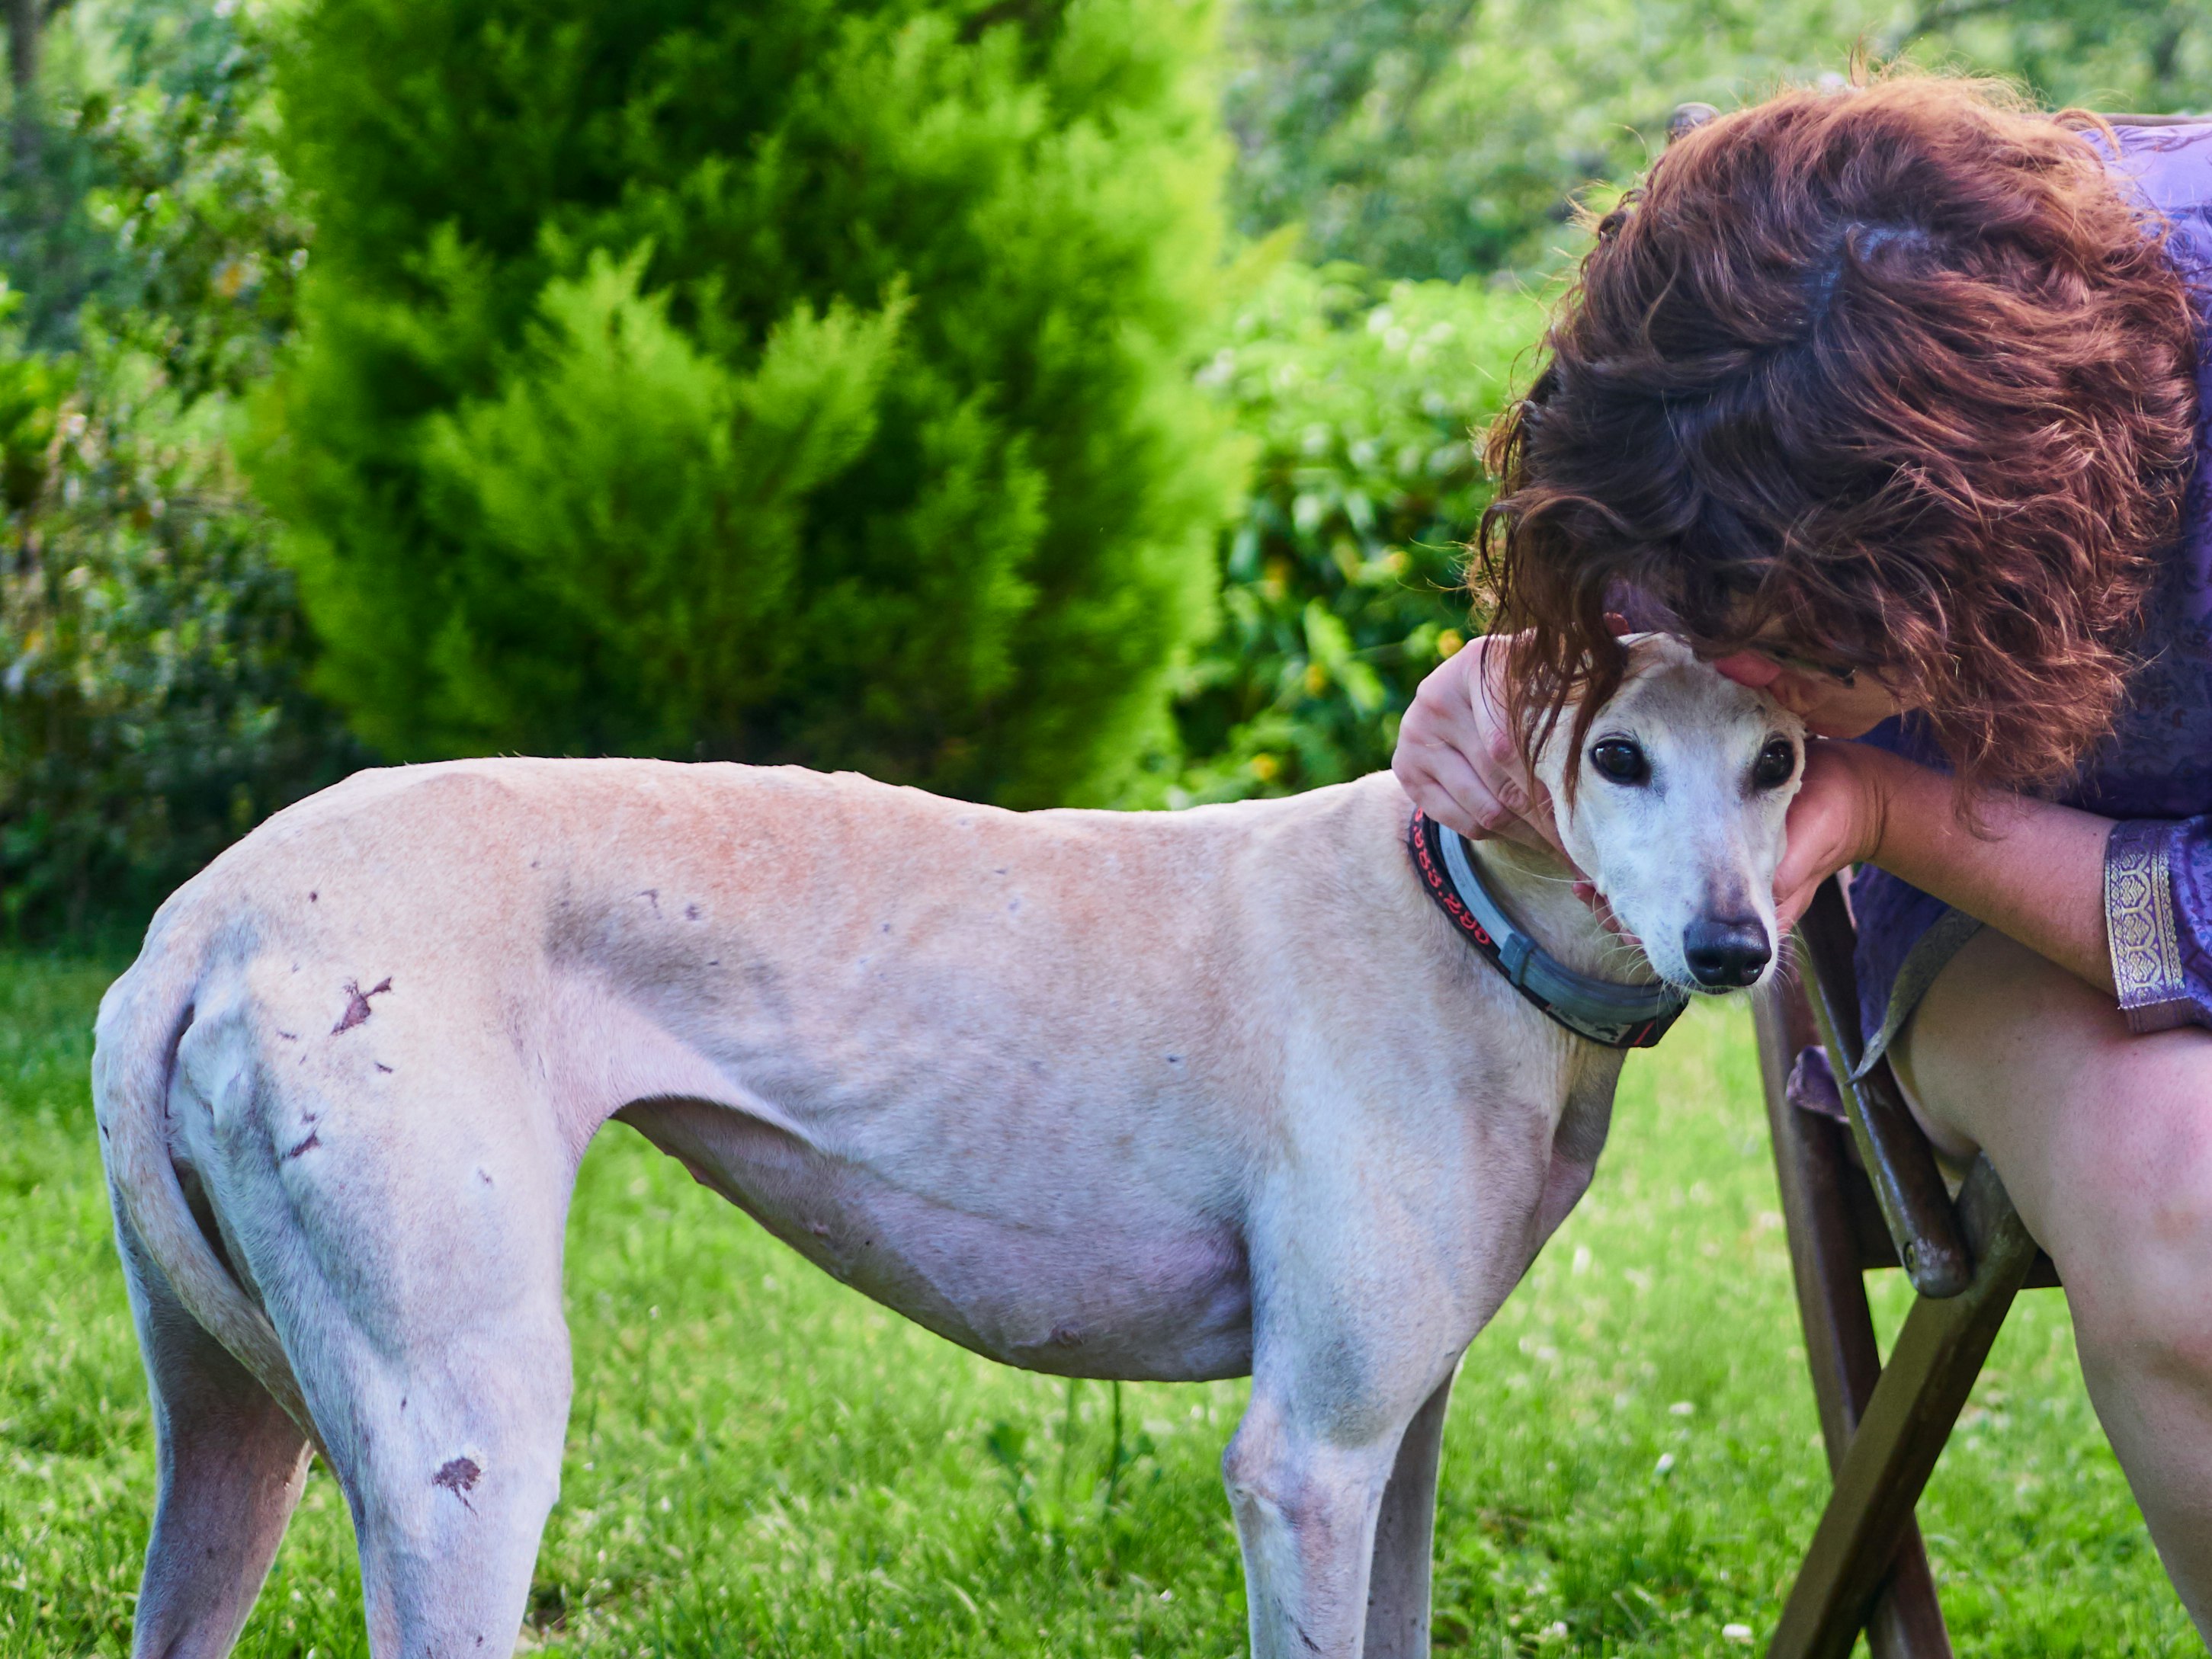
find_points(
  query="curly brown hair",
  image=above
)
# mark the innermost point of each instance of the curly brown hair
(1892, 372)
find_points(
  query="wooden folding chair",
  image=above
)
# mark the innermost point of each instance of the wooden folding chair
(1861, 1190)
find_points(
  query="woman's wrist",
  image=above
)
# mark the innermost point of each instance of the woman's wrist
(2031, 869)
(1881, 779)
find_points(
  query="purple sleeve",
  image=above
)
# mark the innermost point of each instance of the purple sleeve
(2158, 921)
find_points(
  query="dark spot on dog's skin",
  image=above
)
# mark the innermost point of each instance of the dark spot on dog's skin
(1066, 1336)
(713, 962)
(651, 896)
(312, 898)
(1013, 905)
(357, 1008)
(1000, 871)
(533, 864)
(313, 1140)
(1174, 1060)
(691, 913)
(103, 1132)
(459, 1477)
(484, 1176)
(887, 927)
(403, 1402)
(289, 1037)
(382, 1067)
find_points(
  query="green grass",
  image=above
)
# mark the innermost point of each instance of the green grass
(761, 1462)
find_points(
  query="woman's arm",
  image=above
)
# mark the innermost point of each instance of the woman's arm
(2035, 872)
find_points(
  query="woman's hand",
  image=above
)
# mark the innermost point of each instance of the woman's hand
(1836, 820)
(1457, 759)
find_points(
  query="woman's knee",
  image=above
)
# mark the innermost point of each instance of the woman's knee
(2130, 1221)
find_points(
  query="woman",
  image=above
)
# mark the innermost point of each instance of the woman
(1888, 399)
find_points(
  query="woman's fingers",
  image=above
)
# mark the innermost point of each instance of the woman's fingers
(1444, 784)
(1826, 828)
(1456, 756)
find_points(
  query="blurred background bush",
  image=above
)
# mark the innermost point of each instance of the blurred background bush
(866, 384)
(806, 381)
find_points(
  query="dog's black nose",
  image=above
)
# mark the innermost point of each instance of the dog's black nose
(1726, 954)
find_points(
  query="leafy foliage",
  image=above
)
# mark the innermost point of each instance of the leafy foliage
(150, 654)
(807, 381)
(151, 651)
(802, 382)
(1342, 574)
(209, 238)
(1440, 140)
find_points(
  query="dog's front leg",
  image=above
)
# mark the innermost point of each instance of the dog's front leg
(1405, 1535)
(1306, 1506)
(1383, 1240)
(1347, 1389)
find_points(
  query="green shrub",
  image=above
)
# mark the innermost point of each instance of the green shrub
(151, 652)
(1342, 577)
(798, 382)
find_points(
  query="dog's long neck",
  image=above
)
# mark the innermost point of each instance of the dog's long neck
(1538, 891)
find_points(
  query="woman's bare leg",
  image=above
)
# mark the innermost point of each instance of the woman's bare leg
(2104, 1140)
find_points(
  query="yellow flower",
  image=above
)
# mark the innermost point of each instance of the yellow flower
(1316, 679)
(1265, 767)
(1449, 641)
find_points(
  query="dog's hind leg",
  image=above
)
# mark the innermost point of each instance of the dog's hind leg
(438, 1373)
(229, 1466)
(396, 1191)
(454, 1463)
(1405, 1534)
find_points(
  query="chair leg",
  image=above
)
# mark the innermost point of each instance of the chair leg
(1906, 1620)
(1915, 1403)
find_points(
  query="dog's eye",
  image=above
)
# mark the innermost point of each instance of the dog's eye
(1777, 765)
(1621, 761)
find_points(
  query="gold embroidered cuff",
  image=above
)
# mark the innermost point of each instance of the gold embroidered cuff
(2139, 928)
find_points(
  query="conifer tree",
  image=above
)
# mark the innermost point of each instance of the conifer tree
(806, 381)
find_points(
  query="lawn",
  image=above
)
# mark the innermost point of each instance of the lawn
(761, 1462)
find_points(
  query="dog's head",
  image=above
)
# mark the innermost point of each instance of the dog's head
(1680, 788)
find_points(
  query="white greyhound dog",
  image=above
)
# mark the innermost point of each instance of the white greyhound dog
(1167, 1096)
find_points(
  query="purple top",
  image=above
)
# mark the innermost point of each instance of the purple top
(2154, 771)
